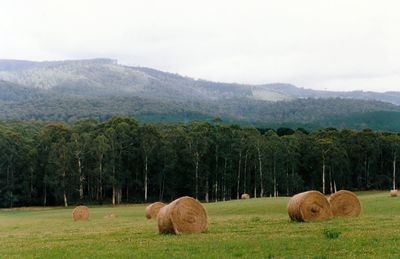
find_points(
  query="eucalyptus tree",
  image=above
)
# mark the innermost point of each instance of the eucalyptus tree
(120, 133)
(100, 147)
(291, 147)
(256, 141)
(215, 136)
(249, 153)
(149, 143)
(324, 141)
(367, 142)
(198, 145)
(394, 144)
(172, 141)
(53, 148)
(80, 147)
(240, 138)
(59, 161)
(226, 143)
(11, 157)
(273, 150)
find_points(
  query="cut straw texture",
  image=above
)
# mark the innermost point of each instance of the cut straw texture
(184, 215)
(152, 210)
(309, 206)
(393, 193)
(80, 213)
(245, 196)
(345, 204)
(111, 216)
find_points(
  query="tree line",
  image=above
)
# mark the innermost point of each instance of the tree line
(122, 161)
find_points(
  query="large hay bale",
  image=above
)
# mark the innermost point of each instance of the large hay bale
(184, 215)
(309, 206)
(393, 193)
(245, 196)
(345, 204)
(152, 210)
(80, 213)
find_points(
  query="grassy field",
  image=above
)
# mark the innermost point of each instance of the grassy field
(256, 228)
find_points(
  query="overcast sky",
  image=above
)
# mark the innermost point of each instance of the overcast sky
(334, 45)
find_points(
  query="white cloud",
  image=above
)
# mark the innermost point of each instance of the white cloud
(338, 45)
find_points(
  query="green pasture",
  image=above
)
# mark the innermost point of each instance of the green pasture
(256, 228)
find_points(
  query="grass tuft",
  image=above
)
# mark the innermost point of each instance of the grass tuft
(331, 233)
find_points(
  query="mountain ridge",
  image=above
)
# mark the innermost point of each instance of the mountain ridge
(99, 88)
(60, 74)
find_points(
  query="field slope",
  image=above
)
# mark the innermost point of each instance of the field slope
(257, 228)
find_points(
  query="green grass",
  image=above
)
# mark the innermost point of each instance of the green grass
(256, 228)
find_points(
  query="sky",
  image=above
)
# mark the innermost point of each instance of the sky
(318, 44)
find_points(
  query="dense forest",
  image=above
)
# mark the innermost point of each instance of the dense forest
(122, 161)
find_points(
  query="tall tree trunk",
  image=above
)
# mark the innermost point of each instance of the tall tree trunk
(90, 194)
(330, 179)
(255, 180)
(287, 177)
(323, 174)
(216, 173)
(224, 181)
(145, 178)
(31, 184)
(113, 195)
(113, 187)
(207, 188)
(197, 175)
(81, 178)
(238, 176)
(12, 189)
(119, 195)
(45, 195)
(366, 173)
(245, 172)
(394, 172)
(161, 195)
(261, 173)
(8, 176)
(65, 200)
(292, 177)
(275, 187)
(64, 191)
(100, 190)
(127, 193)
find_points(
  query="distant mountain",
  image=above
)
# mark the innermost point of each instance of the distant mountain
(104, 77)
(100, 88)
(296, 92)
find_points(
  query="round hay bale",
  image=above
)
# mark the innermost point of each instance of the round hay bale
(393, 193)
(80, 213)
(309, 206)
(152, 210)
(345, 204)
(184, 215)
(245, 196)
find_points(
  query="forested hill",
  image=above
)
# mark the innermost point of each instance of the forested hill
(101, 88)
